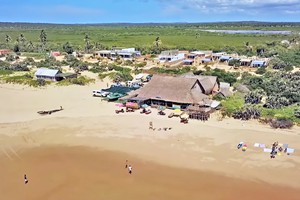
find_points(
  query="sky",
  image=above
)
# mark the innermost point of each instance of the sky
(145, 11)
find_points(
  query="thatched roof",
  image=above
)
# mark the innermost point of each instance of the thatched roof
(207, 82)
(173, 89)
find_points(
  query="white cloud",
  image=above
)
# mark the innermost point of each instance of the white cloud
(232, 6)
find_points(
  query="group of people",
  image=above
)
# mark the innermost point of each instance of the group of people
(277, 149)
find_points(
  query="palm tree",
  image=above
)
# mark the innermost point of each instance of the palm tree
(87, 43)
(22, 38)
(7, 39)
(157, 43)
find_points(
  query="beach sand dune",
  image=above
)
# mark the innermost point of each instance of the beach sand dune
(76, 173)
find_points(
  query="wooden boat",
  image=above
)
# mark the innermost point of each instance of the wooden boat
(49, 112)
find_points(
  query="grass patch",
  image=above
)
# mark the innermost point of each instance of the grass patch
(286, 113)
(25, 79)
(82, 80)
(175, 71)
(6, 72)
(34, 55)
(232, 104)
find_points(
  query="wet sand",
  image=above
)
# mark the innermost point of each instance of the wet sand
(76, 173)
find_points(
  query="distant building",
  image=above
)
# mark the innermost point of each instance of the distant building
(245, 62)
(171, 56)
(5, 51)
(55, 53)
(127, 54)
(53, 74)
(258, 63)
(225, 58)
(217, 56)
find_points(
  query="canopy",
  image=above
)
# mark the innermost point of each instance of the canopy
(119, 104)
(144, 106)
(161, 108)
(177, 110)
(132, 105)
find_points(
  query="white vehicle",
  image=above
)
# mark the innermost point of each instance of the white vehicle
(100, 93)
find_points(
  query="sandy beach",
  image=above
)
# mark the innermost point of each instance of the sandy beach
(80, 152)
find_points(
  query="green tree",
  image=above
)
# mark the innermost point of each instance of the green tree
(88, 45)
(68, 48)
(43, 39)
(7, 39)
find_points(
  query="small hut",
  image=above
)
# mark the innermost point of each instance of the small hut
(198, 112)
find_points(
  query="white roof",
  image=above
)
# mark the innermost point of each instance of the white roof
(139, 76)
(46, 72)
(197, 52)
(215, 104)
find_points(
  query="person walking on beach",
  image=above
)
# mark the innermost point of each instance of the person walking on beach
(129, 169)
(126, 164)
(25, 179)
(150, 125)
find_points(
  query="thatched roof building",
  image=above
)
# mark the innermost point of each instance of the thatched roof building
(177, 90)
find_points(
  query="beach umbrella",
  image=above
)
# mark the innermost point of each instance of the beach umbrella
(177, 110)
(144, 106)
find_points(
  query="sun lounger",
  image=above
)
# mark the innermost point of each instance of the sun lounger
(262, 145)
(256, 144)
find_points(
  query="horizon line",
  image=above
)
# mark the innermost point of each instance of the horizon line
(105, 23)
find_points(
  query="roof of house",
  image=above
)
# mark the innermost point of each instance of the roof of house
(258, 62)
(174, 89)
(225, 92)
(225, 57)
(224, 85)
(66, 75)
(46, 72)
(246, 60)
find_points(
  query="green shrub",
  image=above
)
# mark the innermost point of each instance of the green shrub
(82, 80)
(232, 104)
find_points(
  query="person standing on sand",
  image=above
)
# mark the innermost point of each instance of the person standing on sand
(129, 169)
(126, 164)
(25, 179)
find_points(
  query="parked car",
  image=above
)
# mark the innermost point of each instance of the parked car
(100, 93)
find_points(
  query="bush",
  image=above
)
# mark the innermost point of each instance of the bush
(232, 104)
(19, 67)
(247, 113)
(254, 97)
(276, 102)
(26, 79)
(82, 80)
(281, 123)
(297, 113)
(261, 70)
